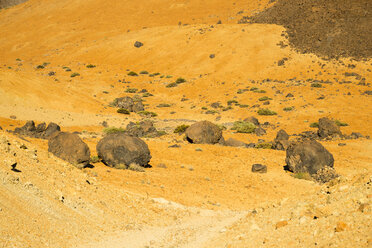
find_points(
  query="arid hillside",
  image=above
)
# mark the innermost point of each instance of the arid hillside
(76, 63)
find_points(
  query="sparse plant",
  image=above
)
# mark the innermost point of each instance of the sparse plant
(316, 85)
(168, 76)
(204, 108)
(90, 66)
(132, 74)
(131, 90)
(180, 80)
(75, 74)
(109, 130)
(265, 145)
(288, 109)
(94, 159)
(171, 85)
(123, 111)
(147, 113)
(302, 175)
(163, 105)
(136, 167)
(314, 125)
(243, 127)
(147, 94)
(341, 124)
(264, 98)
(266, 112)
(144, 72)
(231, 102)
(181, 128)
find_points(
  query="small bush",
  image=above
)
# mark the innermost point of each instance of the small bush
(109, 130)
(341, 124)
(181, 128)
(204, 108)
(171, 85)
(132, 74)
(147, 113)
(90, 66)
(180, 80)
(147, 94)
(302, 175)
(40, 67)
(266, 145)
(314, 125)
(261, 91)
(244, 127)
(168, 76)
(123, 111)
(254, 89)
(94, 159)
(75, 74)
(163, 105)
(288, 109)
(66, 68)
(144, 72)
(136, 167)
(264, 98)
(131, 90)
(231, 102)
(266, 112)
(316, 85)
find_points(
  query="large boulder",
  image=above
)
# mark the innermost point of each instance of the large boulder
(281, 141)
(308, 156)
(328, 128)
(119, 150)
(39, 131)
(125, 102)
(69, 147)
(203, 132)
(51, 129)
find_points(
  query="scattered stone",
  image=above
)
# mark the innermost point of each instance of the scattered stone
(259, 168)
(368, 92)
(234, 143)
(328, 128)
(325, 175)
(71, 148)
(119, 149)
(203, 132)
(1, 128)
(13, 117)
(281, 224)
(142, 129)
(138, 44)
(341, 226)
(212, 56)
(51, 73)
(41, 131)
(341, 144)
(198, 150)
(308, 156)
(260, 131)
(356, 135)
(174, 146)
(281, 142)
(289, 95)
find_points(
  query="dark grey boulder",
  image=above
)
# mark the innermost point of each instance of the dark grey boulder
(308, 156)
(138, 44)
(119, 150)
(71, 148)
(51, 129)
(203, 132)
(259, 168)
(328, 129)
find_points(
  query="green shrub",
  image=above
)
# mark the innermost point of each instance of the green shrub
(131, 90)
(123, 111)
(316, 85)
(266, 112)
(261, 91)
(168, 76)
(90, 66)
(265, 145)
(231, 102)
(147, 113)
(264, 98)
(244, 127)
(288, 109)
(171, 85)
(109, 130)
(302, 175)
(204, 108)
(136, 167)
(66, 68)
(94, 159)
(314, 125)
(341, 124)
(40, 67)
(254, 89)
(163, 105)
(147, 94)
(180, 80)
(132, 74)
(181, 128)
(144, 72)
(75, 74)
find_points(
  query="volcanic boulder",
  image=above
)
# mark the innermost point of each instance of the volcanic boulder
(234, 143)
(281, 141)
(328, 128)
(119, 150)
(203, 132)
(308, 156)
(69, 147)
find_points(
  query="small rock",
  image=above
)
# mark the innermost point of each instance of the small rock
(341, 144)
(260, 131)
(198, 149)
(289, 95)
(138, 44)
(212, 56)
(259, 168)
(341, 226)
(281, 224)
